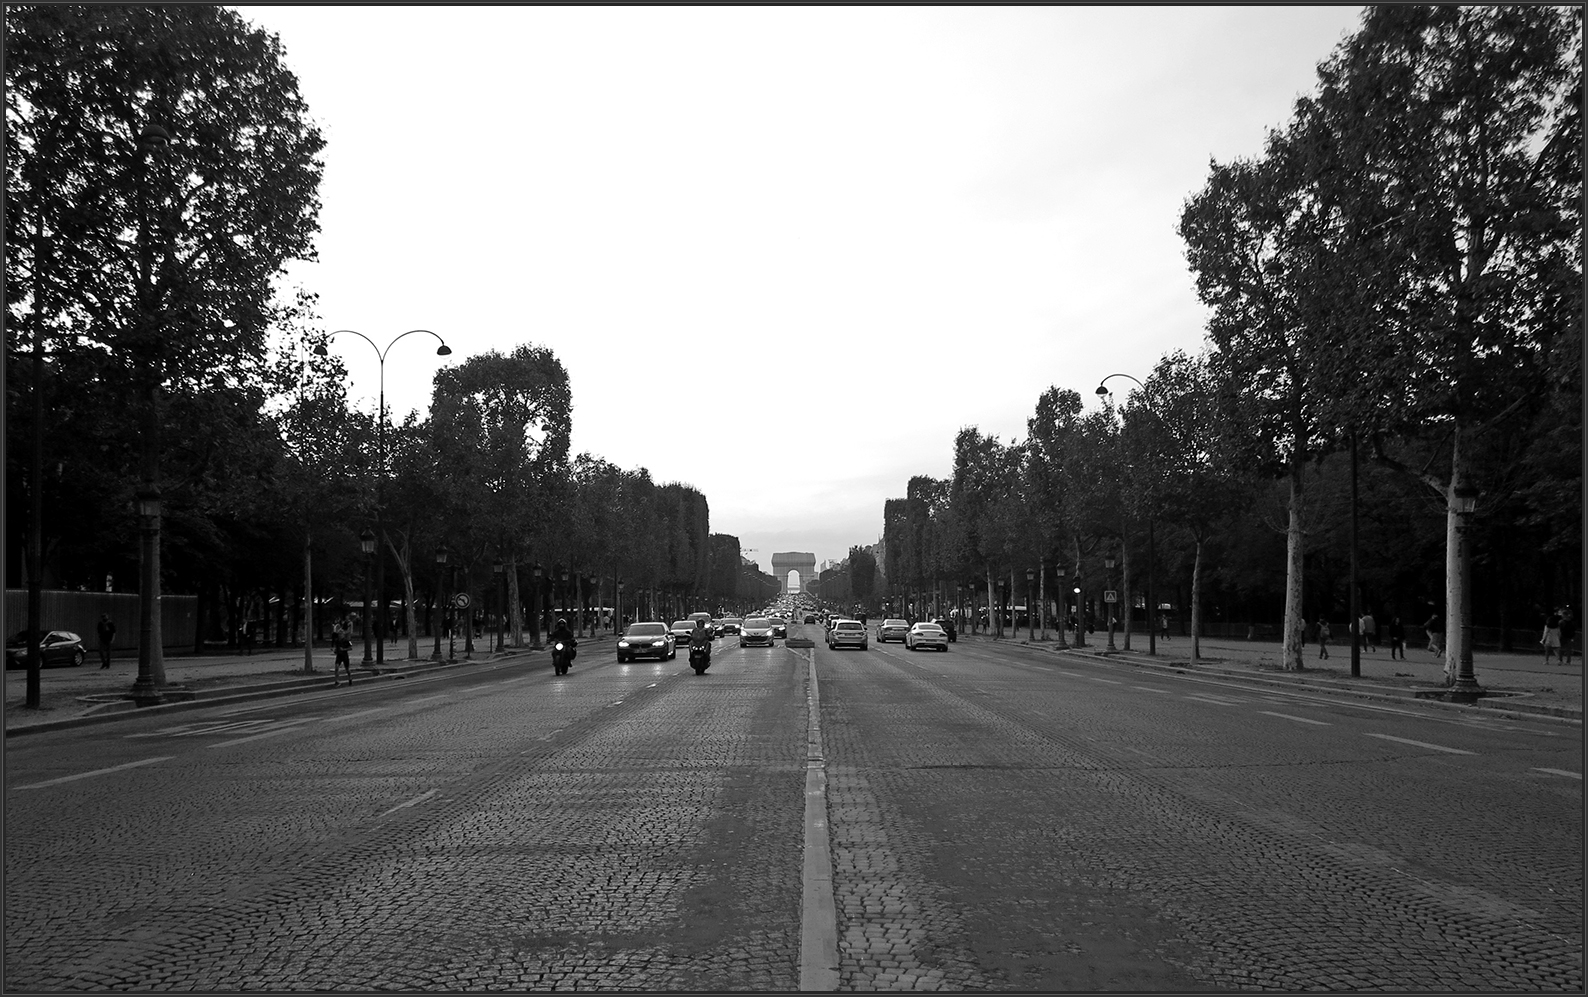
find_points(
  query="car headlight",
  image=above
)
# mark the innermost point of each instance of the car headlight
(658, 643)
(623, 643)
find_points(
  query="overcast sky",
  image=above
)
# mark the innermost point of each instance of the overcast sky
(870, 227)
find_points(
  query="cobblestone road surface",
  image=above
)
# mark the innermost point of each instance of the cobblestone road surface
(1000, 819)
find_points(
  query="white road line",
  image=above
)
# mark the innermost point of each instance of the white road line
(1569, 775)
(413, 802)
(1148, 688)
(1302, 720)
(426, 699)
(1094, 678)
(86, 775)
(286, 729)
(360, 713)
(1422, 744)
(1215, 702)
(1073, 675)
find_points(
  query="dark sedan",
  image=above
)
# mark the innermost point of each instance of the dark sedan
(779, 627)
(729, 625)
(646, 640)
(59, 647)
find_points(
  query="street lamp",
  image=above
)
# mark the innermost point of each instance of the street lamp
(380, 455)
(534, 617)
(440, 604)
(366, 541)
(1080, 614)
(1152, 605)
(1030, 619)
(501, 603)
(146, 689)
(1465, 503)
(617, 611)
(1108, 563)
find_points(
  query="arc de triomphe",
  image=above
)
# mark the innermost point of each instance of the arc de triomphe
(789, 561)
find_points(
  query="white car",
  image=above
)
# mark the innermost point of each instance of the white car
(848, 633)
(926, 635)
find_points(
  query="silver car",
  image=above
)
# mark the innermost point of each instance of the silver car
(756, 630)
(926, 635)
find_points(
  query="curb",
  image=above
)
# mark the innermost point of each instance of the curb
(118, 710)
(1380, 693)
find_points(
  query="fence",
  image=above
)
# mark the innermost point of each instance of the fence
(79, 613)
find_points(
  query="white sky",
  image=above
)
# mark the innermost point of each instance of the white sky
(871, 227)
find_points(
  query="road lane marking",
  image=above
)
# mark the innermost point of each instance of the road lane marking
(1094, 678)
(411, 803)
(86, 775)
(426, 699)
(1569, 775)
(1422, 744)
(1148, 688)
(1073, 675)
(1215, 702)
(360, 713)
(286, 728)
(1302, 720)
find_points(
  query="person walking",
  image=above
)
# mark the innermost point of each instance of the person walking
(342, 640)
(1369, 631)
(1323, 638)
(1397, 638)
(1551, 638)
(1435, 628)
(1568, 635)
(107, 637)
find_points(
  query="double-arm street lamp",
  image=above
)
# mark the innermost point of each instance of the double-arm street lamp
(501, 604)
(535, 607)
(439, 599)
(1466, 686)
(380, 457)
(1152, 605)
(366, 543)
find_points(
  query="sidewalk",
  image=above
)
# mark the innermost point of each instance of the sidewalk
(1519, 683)
(69, 696)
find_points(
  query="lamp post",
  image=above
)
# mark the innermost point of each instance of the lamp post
(1030, 619)
(366, 542)
(617, 612)
(151, 669)
(1152, 605)
(1080, 613)
(535, 605)
(380, 457)
(501, 604)
(440, 602)
(565, 593)
(1465, 501)
(452, 630)
(1108, 563)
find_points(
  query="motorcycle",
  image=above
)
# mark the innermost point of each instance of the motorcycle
(561, 658)
(700, 658)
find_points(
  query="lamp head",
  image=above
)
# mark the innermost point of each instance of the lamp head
(320, 350)
(443, 350)
(1102, 389)
(366, 540)
(441, 554)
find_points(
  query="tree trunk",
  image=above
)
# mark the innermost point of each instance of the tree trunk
(1295, 550)
(515, 610)
(1455, 540)
(308, 601)
(1196, 604)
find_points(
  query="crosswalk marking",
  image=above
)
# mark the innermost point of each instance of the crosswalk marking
(1287, 716)
(1422, 744)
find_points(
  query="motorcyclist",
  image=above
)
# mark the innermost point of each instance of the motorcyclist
(560, 632)
(700, 637)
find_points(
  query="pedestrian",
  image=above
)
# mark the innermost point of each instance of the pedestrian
(1435, 628)
(1323, 638)
(107, 637)
(1568, 635)
(1397, 638)
(1369, 631)
(1551, 638)
(1163, 625)
(342, 640)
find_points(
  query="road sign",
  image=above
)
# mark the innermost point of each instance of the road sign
(461, 600)
(1109, 595)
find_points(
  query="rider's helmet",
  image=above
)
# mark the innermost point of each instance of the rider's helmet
(562, 623)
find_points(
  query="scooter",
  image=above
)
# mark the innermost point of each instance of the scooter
(561, 658)
(700, 658)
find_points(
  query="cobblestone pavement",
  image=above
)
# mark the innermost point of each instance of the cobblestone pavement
(625, 827)
(1009, 821)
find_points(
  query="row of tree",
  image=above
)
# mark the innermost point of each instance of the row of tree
(1395, 282)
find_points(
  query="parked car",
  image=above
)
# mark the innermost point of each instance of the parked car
(647, 640)
(948, 628)
(779, 626)
(926, 635)
(729, 625)
(58, 647)
(756, 630)
(848, 633)
(892, 630)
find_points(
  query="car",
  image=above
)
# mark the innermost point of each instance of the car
(681, 629)
(892, 630)
(948, 628)
(810, 618)
(756, 630)
(58, 647)
(779, 626)
(848, 633)
(711, 625)
(647, 640)
(729, 625)
(926, 635)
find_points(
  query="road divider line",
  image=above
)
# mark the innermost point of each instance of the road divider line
(426, 699)
(1205, 699)
(411, 803)
(818, 911)
(1423, 744)
(286, 728)
(1300, 720)
(360, 713)
(1569, 775)
(90, 775)
(1094, 678)
(1148, 688)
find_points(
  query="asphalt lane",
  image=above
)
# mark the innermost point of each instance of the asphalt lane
(632, 826)
(1011, 818)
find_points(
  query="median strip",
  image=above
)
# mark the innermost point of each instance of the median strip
(819, 913)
